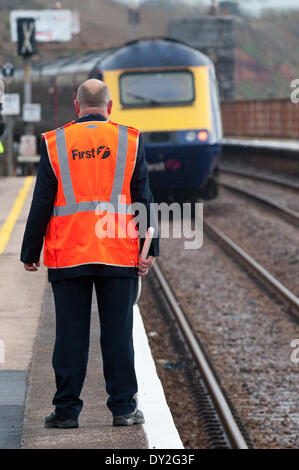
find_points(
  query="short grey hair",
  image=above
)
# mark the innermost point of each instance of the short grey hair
(93, 97)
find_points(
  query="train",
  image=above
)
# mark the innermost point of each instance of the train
(162, 86)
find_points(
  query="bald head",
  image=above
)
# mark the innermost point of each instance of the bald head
(93, 96)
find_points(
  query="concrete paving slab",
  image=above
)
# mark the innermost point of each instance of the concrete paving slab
(13, 385)
(21, 293)
(11, 424)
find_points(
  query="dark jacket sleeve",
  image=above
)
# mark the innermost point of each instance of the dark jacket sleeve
(41, 209)
(140, 192)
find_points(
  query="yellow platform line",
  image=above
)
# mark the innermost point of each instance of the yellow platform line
(9, 223)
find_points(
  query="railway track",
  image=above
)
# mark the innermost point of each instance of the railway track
(198, 350)
(265, 178)
(259, 272)
(223, 427)
(228, 320)
(288, 214)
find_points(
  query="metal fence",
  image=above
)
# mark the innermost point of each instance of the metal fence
(261, 118)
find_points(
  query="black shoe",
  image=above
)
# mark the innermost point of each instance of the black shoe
(127, 420)
(52, 421)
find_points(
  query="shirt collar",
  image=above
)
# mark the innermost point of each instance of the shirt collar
(91, 117)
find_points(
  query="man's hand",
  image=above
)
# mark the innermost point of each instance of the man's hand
(32, 267)
(145, 264)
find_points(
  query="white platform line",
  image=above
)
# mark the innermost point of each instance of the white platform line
(159, 427)
(271, 144)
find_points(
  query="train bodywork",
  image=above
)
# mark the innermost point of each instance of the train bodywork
(169, 91)
(166, 89)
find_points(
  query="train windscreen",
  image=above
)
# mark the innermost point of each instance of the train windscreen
(156, 88)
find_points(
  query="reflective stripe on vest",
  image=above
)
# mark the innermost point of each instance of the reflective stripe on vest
(87, 206)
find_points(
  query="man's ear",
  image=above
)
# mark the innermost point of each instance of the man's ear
(109, 107)
(77, 107)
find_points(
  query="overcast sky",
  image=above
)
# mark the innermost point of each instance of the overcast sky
(253, 5)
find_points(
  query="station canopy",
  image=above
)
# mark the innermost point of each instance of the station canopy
(65, 65)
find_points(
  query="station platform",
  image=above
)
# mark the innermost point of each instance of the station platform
(27, 384)
(262, 143)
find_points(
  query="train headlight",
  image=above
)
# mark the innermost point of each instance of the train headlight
(191, 136)
(202, 136)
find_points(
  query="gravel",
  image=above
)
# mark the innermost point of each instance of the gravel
(276, 170)
(286, 197)
(170, 367)
(246, 332)
(270, 240)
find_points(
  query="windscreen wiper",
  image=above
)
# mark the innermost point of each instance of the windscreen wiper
(142, 97)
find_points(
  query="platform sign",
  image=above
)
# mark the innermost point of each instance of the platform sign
(50, 25)
(8, 70)
(31, 112)
(11, 104)
(27, 145)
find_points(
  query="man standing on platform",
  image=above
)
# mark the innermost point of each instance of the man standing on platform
(88, 167)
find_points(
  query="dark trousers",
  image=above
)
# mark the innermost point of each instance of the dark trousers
(73, 297)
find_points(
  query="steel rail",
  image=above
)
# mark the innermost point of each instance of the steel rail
(261, 273)
(232, 430)
(267, 179)
(288, 214)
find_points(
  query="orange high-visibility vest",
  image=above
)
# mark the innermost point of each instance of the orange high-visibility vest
(94, 163)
